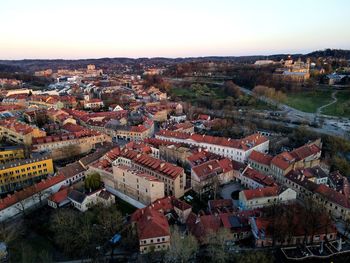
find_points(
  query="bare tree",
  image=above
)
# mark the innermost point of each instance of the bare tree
(182, 247)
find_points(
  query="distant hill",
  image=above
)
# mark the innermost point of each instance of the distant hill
(336, 53)
(115, 64)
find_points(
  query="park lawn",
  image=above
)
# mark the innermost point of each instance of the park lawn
(333, 110)
(309, 101)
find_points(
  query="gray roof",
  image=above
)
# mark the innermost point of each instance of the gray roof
(90, 158)
(76, 196)
(104, 194)
(72, 170)
(36, 158)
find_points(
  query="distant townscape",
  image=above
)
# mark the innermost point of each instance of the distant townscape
(217, 159)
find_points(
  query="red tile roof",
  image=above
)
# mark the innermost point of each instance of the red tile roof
(151, 221)
(261, 158)
(261, 192)
(139, 128)
(226, 165)
(167, 169)
(202, 156)
(152, 224)
(244, 143)
(285, 159)
(207, 169)
(70, 127)
(332, 195)
(16, 126)
(30, 191)
(66, 136)
(60, 196)
(259, 177)
(201, 226)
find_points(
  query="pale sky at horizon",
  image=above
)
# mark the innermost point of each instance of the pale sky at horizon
(74, 29)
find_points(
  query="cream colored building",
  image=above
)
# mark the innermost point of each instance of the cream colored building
(173, 176)
(67, 145)
(138, 185)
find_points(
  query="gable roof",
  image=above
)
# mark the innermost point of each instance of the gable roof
(262, 192)
(30, 191)
(77, 196)
(261, 158)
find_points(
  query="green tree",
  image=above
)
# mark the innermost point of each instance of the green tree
(92, 181)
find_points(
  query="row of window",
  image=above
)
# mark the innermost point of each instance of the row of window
(24, 169)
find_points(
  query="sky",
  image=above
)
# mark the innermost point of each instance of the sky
(74, 29)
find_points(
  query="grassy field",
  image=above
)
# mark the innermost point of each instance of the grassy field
(309, 101)
(338, 108)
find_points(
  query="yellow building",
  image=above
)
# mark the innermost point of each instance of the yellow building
(18, 132)
(11, 153)
(21, 173)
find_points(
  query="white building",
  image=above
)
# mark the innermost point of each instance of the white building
(82, 201)
(260, 197)
(30, 197)
(237, 150)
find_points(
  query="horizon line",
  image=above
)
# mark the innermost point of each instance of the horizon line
(169, 57)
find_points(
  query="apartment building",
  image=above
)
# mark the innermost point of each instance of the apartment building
(336, 203)
(173, 176)
(260, 161)
(237, 150)
(208, 176)
(152, 222)
(138, 185)
(69, 144)
(303, 157)
(260, 197)
(10, 153)
(21, 173)
(252, 179)
(18, 132)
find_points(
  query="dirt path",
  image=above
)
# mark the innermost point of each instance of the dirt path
(334, 97)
